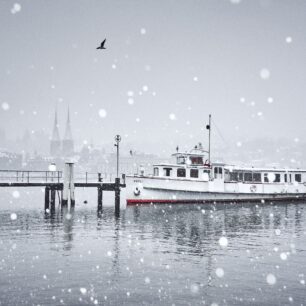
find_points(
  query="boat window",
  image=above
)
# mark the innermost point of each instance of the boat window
(285, 177)
(266, 178)
(181, 172)
(234, 176)
(226, 175)
(194, 173)
(248, 176)
(277, 178)
(256, 177)
(240, 176)
(298, 177)
(156, 172)
(196, 160)
(290, 180)
(181, 160)
(218, 172)
(167, 171)
(206, 174)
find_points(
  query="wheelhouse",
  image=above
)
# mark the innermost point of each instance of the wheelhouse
(193, 165)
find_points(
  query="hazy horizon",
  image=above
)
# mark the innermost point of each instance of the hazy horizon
(168, 64)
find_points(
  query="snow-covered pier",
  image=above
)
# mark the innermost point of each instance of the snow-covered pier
(62, 183)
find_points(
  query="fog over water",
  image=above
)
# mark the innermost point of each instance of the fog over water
(168, 64)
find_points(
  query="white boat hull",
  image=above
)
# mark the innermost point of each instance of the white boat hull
(147, 190)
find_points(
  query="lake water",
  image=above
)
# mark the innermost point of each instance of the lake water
(244, 254)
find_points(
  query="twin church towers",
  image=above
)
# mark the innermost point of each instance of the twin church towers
(65, 147)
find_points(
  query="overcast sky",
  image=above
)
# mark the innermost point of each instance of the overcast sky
(168, 64)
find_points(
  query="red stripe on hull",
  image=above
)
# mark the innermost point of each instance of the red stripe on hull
(131, 202)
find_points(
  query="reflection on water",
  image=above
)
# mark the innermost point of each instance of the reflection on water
(156, 255)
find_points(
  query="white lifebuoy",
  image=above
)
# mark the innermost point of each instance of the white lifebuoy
(136, 191)
(304, 183)
(253, 188)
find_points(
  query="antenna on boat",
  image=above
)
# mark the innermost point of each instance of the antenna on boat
(208, 127)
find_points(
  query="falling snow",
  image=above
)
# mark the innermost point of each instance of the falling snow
(5, 106)
(271, 279)
(102, 113)
(16, 8)
(16, 194)
(220, 272)
(265, 74)
(172, 116)
(13, 216)
(223, 242)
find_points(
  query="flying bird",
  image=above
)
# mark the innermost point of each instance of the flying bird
(102, 44)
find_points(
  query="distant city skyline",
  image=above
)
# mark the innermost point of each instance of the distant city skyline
(168, 64)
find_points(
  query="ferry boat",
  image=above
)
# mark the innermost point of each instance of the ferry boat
(193, 178)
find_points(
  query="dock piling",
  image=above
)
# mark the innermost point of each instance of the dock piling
(68, 188)
(71, 184)
(117, 195)
(47, 198)
(52, 202)
(100, 198)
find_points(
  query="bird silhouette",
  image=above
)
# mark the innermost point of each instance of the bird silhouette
(102, 44)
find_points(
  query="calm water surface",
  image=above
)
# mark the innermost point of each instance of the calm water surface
(156, 255)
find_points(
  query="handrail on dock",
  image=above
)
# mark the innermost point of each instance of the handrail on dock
(27, 176)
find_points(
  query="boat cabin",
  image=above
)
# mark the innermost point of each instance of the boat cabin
(265, 175)
(193, 165)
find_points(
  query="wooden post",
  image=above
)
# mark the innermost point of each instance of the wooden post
(68, 185)
(47, 198)
(61, 202)
(100, 197)
(52, 202)
(117, 195)
(65, 185)
(71, 184)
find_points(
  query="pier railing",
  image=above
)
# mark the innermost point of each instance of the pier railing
(25, 176)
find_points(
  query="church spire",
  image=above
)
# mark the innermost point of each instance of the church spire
(55, 133)
(55, 145)
(68, 145)
(68, 134)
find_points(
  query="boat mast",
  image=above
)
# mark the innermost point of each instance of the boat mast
(209, 131)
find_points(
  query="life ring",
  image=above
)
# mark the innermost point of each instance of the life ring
(136, 191)
(304, 183)
(253, 188)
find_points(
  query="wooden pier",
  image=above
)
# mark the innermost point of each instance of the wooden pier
(63, 184)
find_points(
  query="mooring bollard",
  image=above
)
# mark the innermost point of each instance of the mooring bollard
(68, 189)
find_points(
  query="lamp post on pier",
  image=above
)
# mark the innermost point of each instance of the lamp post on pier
(117, 180)
(117, 139)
